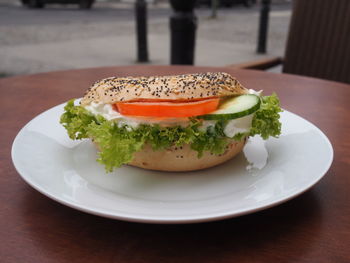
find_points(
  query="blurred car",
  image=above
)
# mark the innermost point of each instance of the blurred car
(227, 3)
(83, 4)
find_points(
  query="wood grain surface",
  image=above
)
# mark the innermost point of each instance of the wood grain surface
(314, 227)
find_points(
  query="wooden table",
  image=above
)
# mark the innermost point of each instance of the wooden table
(315, 227)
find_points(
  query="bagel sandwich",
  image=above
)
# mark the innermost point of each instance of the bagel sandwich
(170, 123)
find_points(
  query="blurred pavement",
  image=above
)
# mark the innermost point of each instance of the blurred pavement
(64, 37)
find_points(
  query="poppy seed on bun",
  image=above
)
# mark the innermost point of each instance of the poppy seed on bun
(180, 88)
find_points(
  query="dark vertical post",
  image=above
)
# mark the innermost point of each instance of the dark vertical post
(263, 26)
(141, 30)
(214, 8)
(183, 25)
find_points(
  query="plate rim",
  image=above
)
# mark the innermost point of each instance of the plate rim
(178, 220)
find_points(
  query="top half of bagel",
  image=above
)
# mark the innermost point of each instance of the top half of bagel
(179, 87)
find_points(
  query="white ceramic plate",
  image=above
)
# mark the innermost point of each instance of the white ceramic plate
(267, 173)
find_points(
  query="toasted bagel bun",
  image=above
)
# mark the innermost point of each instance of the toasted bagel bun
(181, 87)
(180, 159)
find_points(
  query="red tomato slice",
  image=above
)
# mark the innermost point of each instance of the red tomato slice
(168, 109)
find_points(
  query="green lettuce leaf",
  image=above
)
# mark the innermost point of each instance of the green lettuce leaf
(117, 144)
(76, 120)
(266, 121)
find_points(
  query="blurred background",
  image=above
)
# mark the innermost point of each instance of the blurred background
(42, 36)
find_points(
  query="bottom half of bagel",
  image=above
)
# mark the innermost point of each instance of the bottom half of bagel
(183, 158)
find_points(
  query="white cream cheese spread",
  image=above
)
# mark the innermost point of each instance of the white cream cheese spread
(239, 125)
(107, 111)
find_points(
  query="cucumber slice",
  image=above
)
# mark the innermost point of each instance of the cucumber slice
(234, 108)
